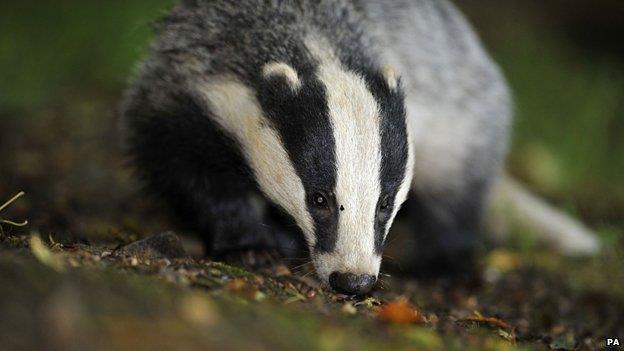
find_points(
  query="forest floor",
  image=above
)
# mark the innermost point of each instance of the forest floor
(149, 295)
(96, 269)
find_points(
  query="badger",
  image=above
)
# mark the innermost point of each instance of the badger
(304, 126)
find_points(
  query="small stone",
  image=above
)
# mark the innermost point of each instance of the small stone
(348, 308)
(311, 294)
(163, 245)
(341, 297)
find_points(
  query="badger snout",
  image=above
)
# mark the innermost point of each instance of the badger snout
(353, 273)
(352, 284)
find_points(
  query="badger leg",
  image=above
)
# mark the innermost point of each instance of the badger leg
(226, 209)
(219, 202)
(242, 221)
(230, 216)
(446, 233)
(456, 158)
(230, 222)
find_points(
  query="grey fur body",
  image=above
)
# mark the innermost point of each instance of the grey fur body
(457, 100)
(459, 108)
(244, 109)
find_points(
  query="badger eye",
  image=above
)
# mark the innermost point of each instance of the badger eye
(319, 200)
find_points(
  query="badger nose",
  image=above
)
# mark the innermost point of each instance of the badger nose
(353, 284)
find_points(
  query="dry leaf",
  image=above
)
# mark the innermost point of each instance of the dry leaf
(400, 312)
(236, 285)
(489, 321)
(245, 290)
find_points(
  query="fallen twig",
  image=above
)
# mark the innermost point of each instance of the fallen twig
(5, 205)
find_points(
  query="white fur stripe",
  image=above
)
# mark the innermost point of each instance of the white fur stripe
(355, 118)
(280, 69)
(236, 110)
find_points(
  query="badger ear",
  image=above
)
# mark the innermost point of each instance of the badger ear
(390, 76)
(282, 72)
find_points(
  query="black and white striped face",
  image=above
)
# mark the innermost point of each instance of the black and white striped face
(346, 138)
(331, 148)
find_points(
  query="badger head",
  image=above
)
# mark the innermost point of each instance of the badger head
(346, 137)
(329, 146)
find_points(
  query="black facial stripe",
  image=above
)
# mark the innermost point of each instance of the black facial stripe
(355, 56)
(394, 148)
(303, 123)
